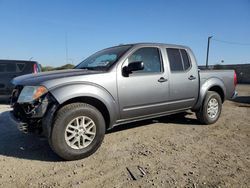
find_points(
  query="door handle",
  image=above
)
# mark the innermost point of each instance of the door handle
(162, 79)
(191, 77)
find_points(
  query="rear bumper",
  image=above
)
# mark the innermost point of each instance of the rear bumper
(235, 94)
(4, 98)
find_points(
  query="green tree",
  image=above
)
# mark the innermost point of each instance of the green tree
(67, 66)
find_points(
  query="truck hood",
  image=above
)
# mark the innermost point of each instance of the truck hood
(39, 78)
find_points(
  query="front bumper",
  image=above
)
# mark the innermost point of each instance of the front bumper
(22, 126)
(30, 113)
(30, 117)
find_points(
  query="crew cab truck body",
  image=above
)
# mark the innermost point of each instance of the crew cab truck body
(117, 85)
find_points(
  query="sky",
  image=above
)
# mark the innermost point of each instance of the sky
(62, 31)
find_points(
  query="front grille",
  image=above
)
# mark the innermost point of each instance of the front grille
(19, 112)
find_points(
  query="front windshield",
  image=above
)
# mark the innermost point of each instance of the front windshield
(103, 59)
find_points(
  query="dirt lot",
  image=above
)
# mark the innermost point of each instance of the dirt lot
(174, 151)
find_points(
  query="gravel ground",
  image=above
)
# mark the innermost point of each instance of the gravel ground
(174, 151)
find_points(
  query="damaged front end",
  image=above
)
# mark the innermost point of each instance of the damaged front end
(34, 114)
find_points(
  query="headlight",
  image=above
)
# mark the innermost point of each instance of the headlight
(31, 93)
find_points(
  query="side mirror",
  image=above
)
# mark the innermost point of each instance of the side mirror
(133, 66)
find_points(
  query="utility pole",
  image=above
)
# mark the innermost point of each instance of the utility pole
(208, 43)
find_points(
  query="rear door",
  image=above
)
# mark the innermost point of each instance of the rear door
(184, 79)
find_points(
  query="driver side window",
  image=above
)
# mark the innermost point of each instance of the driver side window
(150, 56)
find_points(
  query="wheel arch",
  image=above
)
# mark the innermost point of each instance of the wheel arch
(212, 84)
(218, 90)
(90, 94)
(91, 101)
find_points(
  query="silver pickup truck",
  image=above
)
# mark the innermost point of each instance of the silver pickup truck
(117, 85)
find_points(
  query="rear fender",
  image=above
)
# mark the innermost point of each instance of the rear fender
(211, 82)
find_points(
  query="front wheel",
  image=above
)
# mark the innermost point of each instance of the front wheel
(210, 110)
(77, 132)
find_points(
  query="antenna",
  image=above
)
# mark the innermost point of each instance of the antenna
(66, 47)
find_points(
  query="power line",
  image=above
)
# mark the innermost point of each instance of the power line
(231, 42)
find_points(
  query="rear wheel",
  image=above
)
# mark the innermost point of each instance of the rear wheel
(210, 110)
(78, 131)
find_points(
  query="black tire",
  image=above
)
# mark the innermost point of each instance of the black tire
(63, 117)
(202, 114)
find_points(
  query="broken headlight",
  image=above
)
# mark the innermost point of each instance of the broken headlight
(31, 93)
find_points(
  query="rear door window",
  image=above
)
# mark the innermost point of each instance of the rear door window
(178, 59)
(185, 58)
(175, 60)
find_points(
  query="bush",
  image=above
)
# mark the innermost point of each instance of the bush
(50, 68)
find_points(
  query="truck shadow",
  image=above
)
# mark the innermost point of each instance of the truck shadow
(242, 99)
(177, 119)
(13, 143)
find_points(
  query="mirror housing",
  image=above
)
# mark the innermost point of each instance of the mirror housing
(133, 66)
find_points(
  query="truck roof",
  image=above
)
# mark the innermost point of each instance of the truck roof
(155, 44)
(16, 61)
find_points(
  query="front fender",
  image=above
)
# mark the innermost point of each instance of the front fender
(209, 83)
(70, 91)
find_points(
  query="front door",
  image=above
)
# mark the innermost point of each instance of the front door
(143, 92)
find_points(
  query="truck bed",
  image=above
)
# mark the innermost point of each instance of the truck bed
(225, 76)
